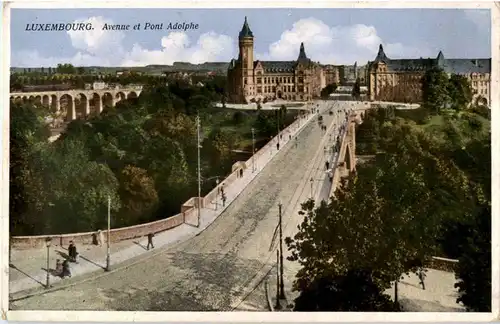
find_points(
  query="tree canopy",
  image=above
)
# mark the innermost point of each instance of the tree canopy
(393, 214)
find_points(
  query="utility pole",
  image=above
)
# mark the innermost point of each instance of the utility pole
(108, 256)
(282, 288)
(253, 150)
(278, 305)
(312, 182)
(199, 169)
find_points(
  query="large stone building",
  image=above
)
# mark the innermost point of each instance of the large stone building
(399, 80)
(250, 80)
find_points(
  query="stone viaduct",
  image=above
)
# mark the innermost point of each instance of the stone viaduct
(346, 162)
(72, 104)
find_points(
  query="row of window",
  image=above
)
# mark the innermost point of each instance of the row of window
(479, 76)
(480, 83)
(272, 89)
(274, 80)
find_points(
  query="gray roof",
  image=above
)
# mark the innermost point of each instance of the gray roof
(454, 66)
(245, 30)
(277, 66)
(409, 64)
(467, 66)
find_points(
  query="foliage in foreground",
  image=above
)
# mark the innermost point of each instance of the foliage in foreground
(391, 215)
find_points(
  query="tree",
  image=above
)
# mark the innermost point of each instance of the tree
(27, 192)
(326, 91)
(474, 266)
(459, 91)
(387, 218)
(138, 194)
(79, 189)
(435, 90)
(353, 292)
(356, 90)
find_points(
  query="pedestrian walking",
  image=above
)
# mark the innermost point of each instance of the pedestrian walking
(72, 251)
(223, 200)
(150, 240)
(327, 165)
(421, 277)
(66, 272)
(278, 145)
(241, 173)
(289, 137)
(100, 238)
(222, 189)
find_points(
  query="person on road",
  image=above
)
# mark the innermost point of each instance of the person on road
(150, 241)
(72, 251)
(223, 200)
(66, 272)
(100, 239)
(421, 277)
(327, 165)
(241, 173)
(222, 189)
(278, 145)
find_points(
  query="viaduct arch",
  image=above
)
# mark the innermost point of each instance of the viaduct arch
(73, 104)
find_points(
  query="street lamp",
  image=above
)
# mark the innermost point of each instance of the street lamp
(217, 193)
(48, 242)
(312, 182)
(282, 288)
(253, 150)
(199, 169)
(108, 254)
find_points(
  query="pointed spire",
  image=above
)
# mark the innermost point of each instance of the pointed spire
(302, 53)
(440, 59)
(381, 57)
(245, 30)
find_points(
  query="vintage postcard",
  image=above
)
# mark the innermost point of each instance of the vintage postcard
(260, 160)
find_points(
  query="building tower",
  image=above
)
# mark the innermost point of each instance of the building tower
(246, 59)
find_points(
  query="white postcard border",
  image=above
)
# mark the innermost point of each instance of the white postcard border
(92, 316)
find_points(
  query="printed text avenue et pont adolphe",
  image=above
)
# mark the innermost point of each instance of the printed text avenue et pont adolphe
(185, 26)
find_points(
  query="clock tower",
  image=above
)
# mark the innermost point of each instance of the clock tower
(246, 59)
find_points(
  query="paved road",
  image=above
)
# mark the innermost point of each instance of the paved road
(218, 268)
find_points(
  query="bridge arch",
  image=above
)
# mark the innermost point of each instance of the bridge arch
(67, 106)
(38, 100)
(95, 104)
(46, 100)
(81, 105)
(54, 103)
(120, 96)
(132, 95)
(107, 100)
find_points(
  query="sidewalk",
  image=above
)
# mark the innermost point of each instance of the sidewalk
(28, 267)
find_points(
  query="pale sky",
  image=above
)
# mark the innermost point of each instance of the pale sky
(331, 36)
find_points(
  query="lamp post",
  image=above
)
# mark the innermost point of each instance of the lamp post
(282, 288)
(278, 305)
(217, 193)
(48, 242)
(312, 182)
(108, 254)
(253, 150)
(199, 169)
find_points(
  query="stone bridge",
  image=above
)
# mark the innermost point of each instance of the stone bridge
(72, 104)
(346, 162)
